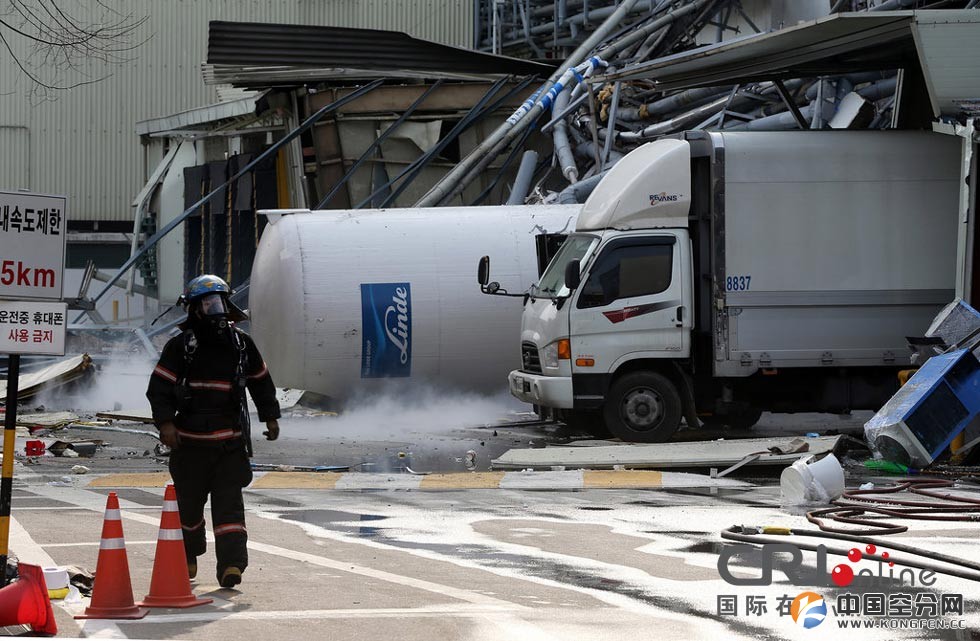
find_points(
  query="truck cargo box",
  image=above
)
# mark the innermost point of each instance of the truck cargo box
(829, 248)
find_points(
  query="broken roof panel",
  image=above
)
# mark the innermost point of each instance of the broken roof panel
(840, 43)
(254, 45)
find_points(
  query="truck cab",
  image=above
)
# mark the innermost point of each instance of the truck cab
(628, 301)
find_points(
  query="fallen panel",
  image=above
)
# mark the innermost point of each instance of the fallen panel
(137, 416)
(47, 420)
(54, 375)
(698, 454)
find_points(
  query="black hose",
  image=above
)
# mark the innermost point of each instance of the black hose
(855, 503)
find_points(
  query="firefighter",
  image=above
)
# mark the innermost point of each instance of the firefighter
(197, 393)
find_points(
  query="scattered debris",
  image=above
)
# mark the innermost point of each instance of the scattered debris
(109, 428)
(698, 454)
(46, 420)
(136, 416)
(34, 448)
(79, 469)
(81, 578)
(270, 467)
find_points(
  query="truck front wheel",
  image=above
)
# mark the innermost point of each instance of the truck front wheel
(643, 407)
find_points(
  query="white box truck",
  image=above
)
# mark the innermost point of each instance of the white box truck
(713, 276)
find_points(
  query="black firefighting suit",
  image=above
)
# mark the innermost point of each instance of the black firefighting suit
(197, 385)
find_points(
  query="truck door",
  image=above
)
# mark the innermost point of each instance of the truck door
(632, 302)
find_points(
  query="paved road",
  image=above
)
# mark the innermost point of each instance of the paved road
(454, 564)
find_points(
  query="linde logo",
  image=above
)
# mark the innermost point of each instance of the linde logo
(396, 322)
(386, 324)
(788, 559)
(664, 197)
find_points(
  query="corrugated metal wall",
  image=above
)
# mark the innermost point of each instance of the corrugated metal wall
(83, 144)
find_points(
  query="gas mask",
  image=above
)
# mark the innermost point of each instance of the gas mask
(212, 313)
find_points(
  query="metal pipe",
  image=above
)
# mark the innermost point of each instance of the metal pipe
(486, 151)
(869, 76)
(650, 44)
(674, 124)
(891, 5)
(816, 121)
(169, 227)
(878, 90)
(852, 78)
(503, 168)
(377, 143)
(642, 32)
(684, 99)
(457, 179)
(570, 106)
(572, 23)
(844, 87)
(563, 149)
(784, 120)
(579, 192)
(611, 127)
(588, 150)
(525, 174)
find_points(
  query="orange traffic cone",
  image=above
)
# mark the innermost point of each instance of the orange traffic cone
(26, 602)
(112, 594)
(170, 586)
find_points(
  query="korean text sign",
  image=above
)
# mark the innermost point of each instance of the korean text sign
(30, 327)
(33, 230)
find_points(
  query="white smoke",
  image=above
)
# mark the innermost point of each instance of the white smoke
(399, 414)
(118, 383)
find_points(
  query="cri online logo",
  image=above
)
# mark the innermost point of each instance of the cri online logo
(842, 575)
(808, 610)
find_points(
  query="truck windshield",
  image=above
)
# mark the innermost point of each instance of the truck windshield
(552, 283)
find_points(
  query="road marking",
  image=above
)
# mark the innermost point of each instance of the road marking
(407, 581)
(295, 481)
(27, 549)
(471, 481)
(91, 544)
(146, 479)
(621, 479)
(367, 481)
(543, 480)
(571, 480)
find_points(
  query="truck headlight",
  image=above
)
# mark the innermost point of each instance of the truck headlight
(561, 349)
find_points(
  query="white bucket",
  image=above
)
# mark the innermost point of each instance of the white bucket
(808, 481)
(56, 578)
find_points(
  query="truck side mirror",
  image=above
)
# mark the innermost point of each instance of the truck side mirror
(573, 274)
(483, 271)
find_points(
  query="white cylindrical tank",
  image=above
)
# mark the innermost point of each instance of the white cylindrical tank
(347, 301)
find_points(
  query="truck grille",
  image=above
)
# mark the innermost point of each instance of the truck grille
(530, 360)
